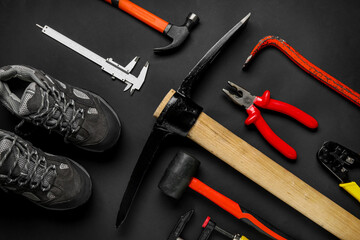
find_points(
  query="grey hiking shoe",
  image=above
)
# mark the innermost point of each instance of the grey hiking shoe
(50, 181)
(82, 117)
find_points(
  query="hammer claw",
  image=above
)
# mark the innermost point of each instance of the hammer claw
(178, 34)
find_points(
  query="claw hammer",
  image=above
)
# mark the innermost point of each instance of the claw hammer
(177, 33)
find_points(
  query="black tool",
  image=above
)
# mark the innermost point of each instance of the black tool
(338, 160)
(209, 226)
(178, 118)
(180, 225)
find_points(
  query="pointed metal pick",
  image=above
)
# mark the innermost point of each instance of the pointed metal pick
(160, 132)
(206, 60)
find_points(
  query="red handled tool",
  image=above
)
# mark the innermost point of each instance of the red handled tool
(305, 65)
(177, 33)
(231, 207)
(209, 226)
(243, 98)
(179, 175)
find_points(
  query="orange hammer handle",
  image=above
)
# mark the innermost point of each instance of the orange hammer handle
(230, 206)
(140, 13)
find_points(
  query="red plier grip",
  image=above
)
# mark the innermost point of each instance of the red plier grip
(266, 102)
(256, 118)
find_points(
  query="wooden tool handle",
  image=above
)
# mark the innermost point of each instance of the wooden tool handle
(141, 14)
(271, 176)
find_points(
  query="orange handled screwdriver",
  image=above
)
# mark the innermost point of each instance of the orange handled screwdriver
(178, 34)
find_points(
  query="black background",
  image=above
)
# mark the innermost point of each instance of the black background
(325, 32)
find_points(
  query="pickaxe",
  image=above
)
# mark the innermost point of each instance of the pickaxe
(177, 114)
(178, 34)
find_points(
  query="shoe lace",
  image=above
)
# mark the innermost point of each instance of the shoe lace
(63, 115)
(34, 172)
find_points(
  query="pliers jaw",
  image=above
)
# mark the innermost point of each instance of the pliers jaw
(239, 95)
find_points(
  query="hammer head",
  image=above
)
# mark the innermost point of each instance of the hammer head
(178, 175)
(178, 34)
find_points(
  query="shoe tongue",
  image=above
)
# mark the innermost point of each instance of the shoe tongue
(5, 145)
(31, 100)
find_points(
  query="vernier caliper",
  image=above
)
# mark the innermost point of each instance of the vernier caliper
(108, 65)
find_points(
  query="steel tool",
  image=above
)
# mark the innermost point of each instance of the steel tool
(178, 115)
(338, 160)
(108, 65)
(177, 119)
(243, 98)
(180, 225)
(179, 175)
(305, 65)
(178, 34)
(209, 226)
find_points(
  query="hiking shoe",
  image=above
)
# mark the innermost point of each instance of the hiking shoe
(50, 181)
(82, 117)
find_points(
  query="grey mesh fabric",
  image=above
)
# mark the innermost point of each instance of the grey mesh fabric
(10, 100)
(38, 98)
(28, 94)
(50, 181)
(81, 117)
(16, 164)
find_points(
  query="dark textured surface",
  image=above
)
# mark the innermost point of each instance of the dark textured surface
(325, 32)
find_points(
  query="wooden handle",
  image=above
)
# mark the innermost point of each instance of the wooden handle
(271, 176)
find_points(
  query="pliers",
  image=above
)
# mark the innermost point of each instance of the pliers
(243, 98)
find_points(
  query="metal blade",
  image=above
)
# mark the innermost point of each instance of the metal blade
(206, 60)
(151, 146)
(180, 225)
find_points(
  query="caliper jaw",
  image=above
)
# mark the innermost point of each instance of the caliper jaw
(124, 73)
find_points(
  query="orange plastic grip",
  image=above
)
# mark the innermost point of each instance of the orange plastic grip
(230, 206)
(142, 14)
(224, 202)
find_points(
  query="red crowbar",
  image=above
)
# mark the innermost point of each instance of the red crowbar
(307, 66)
(243, 98)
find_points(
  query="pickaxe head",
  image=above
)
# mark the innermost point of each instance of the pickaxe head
(178, 34)
(176, 115)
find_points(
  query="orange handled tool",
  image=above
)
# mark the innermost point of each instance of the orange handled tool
(180, 174)
(177, 33)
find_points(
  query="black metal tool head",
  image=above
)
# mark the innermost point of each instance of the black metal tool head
(207, 59)
(239, 95)
(178, 175)
(338, 160)
(178, 34)
(177, 118)
(180, 225)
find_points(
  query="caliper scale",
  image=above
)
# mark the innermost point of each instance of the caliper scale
(108, 65)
